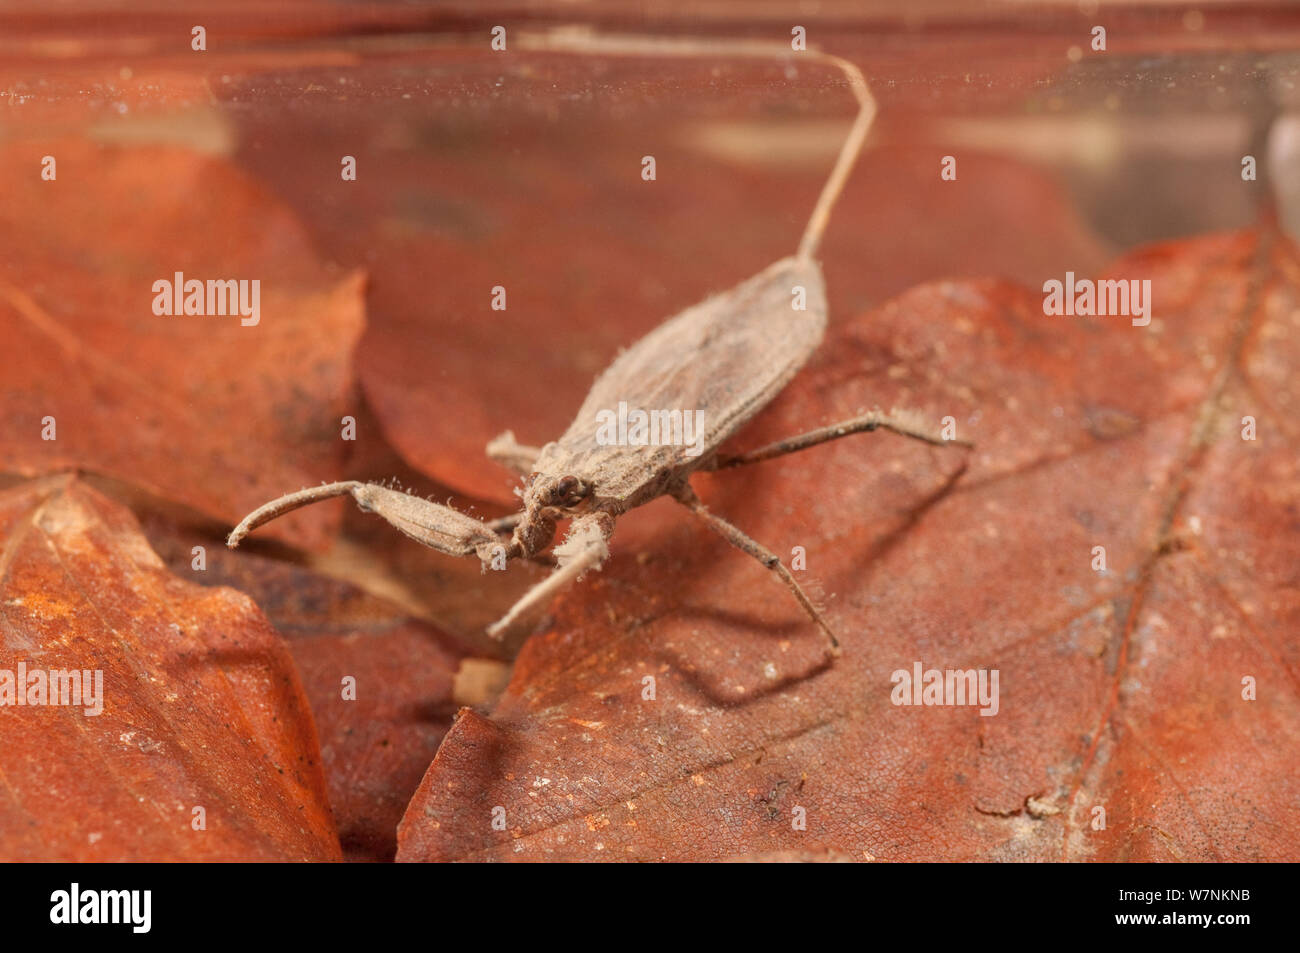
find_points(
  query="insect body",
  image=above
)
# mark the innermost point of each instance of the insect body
(727, 358)
(724, 359)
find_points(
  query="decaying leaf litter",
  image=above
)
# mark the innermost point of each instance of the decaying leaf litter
(1121, 689)
(1015, 775)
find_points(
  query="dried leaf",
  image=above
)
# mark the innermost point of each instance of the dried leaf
(199, 409)
(200, 704)
(1120, 690)
(378, 740)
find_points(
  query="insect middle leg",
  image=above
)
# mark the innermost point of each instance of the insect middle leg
(904, 424)
(505, 524)
(512, 454)
(738, 538)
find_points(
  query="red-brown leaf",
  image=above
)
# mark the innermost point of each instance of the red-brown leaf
(376, 746)
(196, 408)
(1120, 689)
(202, 706)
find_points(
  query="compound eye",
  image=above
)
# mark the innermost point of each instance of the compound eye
(567, 491)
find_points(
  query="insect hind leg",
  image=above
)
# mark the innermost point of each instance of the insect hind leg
(903, 423)
(738, 538)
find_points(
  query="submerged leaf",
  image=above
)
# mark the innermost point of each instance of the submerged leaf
(197, 742)
(204, 409)
(679, 707)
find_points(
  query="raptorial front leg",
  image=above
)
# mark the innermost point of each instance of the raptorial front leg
(904, 423)
(436, 526)
(586, 547)
(734, 535)
(512, 454)
(505, 526)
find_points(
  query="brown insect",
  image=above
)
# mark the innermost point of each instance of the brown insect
(724, 358)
